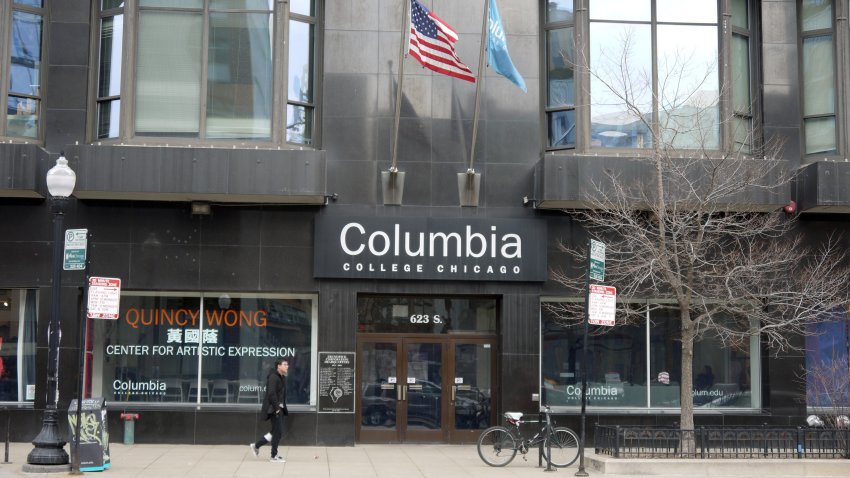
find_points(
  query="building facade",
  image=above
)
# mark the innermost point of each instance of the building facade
(229, 158)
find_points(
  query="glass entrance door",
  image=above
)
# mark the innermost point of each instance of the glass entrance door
(424, 389)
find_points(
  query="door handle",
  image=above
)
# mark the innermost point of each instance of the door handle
(401, 392)
(454, 392)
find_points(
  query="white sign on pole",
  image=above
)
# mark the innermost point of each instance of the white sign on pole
(75, 249)
(602, 305)
(597, 260)
(104, 298)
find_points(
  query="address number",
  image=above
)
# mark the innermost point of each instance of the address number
(425, 319)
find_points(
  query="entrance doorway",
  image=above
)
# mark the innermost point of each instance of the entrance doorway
(425, 387)
(417, 389)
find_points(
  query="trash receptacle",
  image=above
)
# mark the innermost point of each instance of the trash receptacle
(94, 444)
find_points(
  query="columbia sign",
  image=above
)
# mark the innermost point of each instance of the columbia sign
(430, 248)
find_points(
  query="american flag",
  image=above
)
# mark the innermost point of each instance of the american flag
(432, 43)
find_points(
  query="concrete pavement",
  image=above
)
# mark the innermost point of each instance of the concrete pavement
(400, 461)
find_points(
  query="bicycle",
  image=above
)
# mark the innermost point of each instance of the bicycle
(498, 445)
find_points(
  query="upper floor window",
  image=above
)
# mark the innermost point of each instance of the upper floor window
(21, 68)
(817, 34)
(630, 74)
(207, 70)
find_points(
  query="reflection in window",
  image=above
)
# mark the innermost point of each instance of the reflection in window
(150, 354)
(686, 77)
(17, 345)
(24, 94)
(619, 374)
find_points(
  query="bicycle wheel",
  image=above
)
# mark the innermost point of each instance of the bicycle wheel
(496, 446)
(564, 445)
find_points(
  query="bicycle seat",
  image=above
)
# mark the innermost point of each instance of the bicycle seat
(513, 417)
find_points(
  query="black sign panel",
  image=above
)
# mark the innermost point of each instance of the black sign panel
(94, 442)
(336, 382)
(429, 248)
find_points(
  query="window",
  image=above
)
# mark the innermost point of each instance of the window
(17, 344)
(818, 63)
(22, 72)
(827, 384)
(639, 367)
(151, 353)
(207, 70)
(653, 73)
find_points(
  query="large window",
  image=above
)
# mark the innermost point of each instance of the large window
(818, 63)
(17, 345)
(21, 67)
(827, 373)
(207, 70)
(628, 74)
(205, 348)
(639, 366)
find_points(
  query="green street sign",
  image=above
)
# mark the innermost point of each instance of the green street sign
(76, 242)
(597, 261)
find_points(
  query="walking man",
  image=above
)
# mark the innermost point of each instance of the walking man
(274, 406)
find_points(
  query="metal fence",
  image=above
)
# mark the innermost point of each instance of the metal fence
(722, 442)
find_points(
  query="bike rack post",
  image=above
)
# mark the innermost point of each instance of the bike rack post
(548, 442)
(8, 430)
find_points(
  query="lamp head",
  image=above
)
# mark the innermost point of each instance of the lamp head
(61, 178)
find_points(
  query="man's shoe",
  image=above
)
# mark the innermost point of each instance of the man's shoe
(277, 459)
(254, 450)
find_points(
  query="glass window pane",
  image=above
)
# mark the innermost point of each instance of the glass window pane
(300, 62)
(741, 101)
(616, 369)
(242, 4)
(742, 133)
(302, 7)
(108, 4)
(17, 345)
(689, 86)
(111, 46)
(817, 14)
(108, 118)
(818, 75)
(379, 362)
(562, 129)
(560, 11)
(560, 72)
(432, 315)
(721, 376)
(299, 124)
(665, 364)
(820, 135)
(700, 11)
(172, 3)
(25, 67)
(613, 122)
(168, 74)
(31, 3)
(22, 117)
(826, 365)
(740, 16)
(243, 337)
(631, 10)
(239, 76)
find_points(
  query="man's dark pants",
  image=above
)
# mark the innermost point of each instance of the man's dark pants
(277, 432)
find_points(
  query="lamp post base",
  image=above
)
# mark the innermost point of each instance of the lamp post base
(27, 468)
(49, 446)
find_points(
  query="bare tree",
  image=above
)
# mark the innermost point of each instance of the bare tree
(694, 228)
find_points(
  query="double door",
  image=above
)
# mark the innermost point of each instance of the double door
(424, 389)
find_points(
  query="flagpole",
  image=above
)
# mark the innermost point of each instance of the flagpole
(405, 30)
(478, 85)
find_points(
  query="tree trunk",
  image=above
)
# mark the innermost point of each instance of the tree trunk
(686, 396)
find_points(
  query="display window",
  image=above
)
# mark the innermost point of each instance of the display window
(639, 366)
(826, 372)
(18, 312)
(205, 348)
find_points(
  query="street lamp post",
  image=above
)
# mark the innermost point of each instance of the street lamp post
(49, 445)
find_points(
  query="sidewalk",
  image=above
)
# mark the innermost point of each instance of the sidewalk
(389, 461)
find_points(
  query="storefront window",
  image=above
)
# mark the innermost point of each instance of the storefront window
(151, 353)
(626, 359)
(827, 370)
(17, 345)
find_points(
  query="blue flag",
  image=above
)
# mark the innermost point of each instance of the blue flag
(497, 49)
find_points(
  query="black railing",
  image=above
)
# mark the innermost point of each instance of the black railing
(722, 442)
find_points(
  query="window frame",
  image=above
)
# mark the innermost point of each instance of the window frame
(7, 10)
(127, 134)
(581, 40)
(837, 6)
